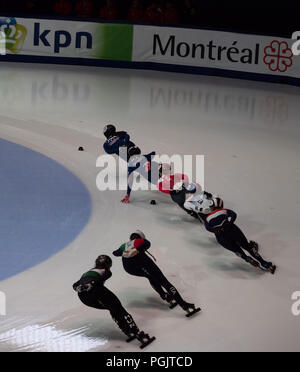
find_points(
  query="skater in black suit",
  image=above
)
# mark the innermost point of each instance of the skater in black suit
(92, 292)
(136, 262)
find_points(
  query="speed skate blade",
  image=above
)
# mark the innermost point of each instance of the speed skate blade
(193, 312)
(271, 269)
(148, 342)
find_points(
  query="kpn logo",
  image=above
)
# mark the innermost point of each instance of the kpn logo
(12, 35)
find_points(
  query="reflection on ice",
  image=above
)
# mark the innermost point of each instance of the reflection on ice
(49, 339)
(96, 91)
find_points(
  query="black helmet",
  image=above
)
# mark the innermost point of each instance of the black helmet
(109, 130)
(138, 234)
(134, 150)
(103, 262)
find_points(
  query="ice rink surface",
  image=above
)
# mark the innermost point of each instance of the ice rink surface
(249, 133)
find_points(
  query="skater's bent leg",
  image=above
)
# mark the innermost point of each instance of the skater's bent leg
(226, 242)
(257, 256)
(157, 287)
(123, 319)
(104, 299)
(237, 235)
(108, 299)
(158, 277)
(142, 271)
(153, 282)
(240, 253)
(243, 241)
(91, 301)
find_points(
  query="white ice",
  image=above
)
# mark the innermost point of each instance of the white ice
(249, 133)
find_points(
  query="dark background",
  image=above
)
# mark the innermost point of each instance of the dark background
(280, 19)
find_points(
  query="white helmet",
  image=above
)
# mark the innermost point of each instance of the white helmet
(206, 206)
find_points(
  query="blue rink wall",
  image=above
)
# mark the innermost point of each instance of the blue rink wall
(44, 207)
(155, 67)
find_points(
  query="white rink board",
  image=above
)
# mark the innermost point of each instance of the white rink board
(215, 49)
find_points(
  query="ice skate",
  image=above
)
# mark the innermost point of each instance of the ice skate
(190, 309)
(144, 339)
(252, 262)
(268, 266)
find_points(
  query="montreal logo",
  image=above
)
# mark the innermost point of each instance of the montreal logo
(278, 56)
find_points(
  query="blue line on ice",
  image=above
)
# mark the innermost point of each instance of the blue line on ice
(43, 208)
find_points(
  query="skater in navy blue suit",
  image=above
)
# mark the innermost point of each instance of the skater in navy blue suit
(221, 222)
(116, 142)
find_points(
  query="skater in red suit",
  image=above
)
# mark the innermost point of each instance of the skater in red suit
(167, 180)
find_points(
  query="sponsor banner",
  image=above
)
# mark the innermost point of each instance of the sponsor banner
(42, 37)
(93, 41)
(215, 49)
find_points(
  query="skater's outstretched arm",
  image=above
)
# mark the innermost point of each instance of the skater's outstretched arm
(118, 252)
